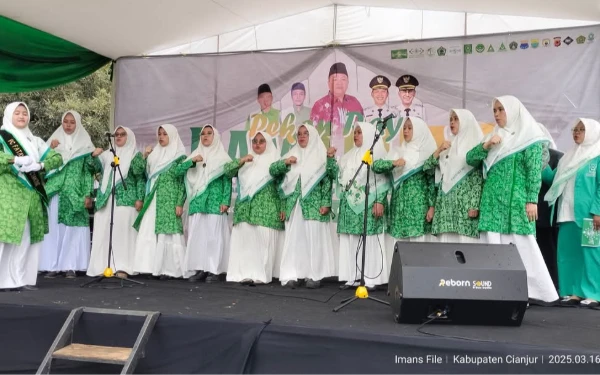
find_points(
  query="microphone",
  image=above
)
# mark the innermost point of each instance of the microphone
(109, 134)
(385, 119)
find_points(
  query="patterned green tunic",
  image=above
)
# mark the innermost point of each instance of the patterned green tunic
(510, 185)
(135, 182)
(73, 184)
(350, 222)
(319, 197)
(452, 209)
(19, 203)
(217, 193)
(169, 191)
(410, 202)
(263, 209)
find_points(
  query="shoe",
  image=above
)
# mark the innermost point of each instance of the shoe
(212, 278)
(121, 275)
(589, 303)
(311, 284)
(569, 301)
(51, 275)
(28, 288)
(247, 282)
(199, 276)
(291, 284)
(164, 277)
(71, 275)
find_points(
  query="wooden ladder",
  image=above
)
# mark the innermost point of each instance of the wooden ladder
(64, 348)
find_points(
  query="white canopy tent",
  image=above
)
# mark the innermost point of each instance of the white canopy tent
(117, 28)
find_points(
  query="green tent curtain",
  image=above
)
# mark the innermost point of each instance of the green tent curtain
(32, 60)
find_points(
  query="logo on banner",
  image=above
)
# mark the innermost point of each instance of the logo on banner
(441, 51)
(591, 37)
(468, 49)
(415, 52)
(455, 50)
(546, 42)
(580, 39)
(480, 48)
(557, 41)
(491, 49)
(431, 52)
(399, 54)
(502, 47)
(513, 45)
(568, 40)
(524, 44)
(535, 43)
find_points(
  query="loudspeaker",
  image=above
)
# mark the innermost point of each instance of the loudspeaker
(460, 283)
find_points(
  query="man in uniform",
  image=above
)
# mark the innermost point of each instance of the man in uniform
(265, 101)
(410, 106)
(379, 92)
(300, 111)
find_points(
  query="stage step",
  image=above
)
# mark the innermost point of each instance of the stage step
(93, 353)
(64, 348)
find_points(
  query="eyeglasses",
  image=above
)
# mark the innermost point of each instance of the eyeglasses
(120, 134)
(257, 142)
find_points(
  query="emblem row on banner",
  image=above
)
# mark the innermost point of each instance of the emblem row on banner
(470, 48)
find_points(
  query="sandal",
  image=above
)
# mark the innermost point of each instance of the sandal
(589, 303)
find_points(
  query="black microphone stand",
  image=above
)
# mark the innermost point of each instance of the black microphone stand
(361, 290)
(108, 272)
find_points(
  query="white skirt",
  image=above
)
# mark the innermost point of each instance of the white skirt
(539, 282)
(161, 254)
(456, 238)
(376, 260)
(123, 244)
(253, 253)
(64, 248)
(19, 263)
(207, 244)
(307, 249)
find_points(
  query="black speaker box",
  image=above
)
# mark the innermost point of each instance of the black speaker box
(457, 283)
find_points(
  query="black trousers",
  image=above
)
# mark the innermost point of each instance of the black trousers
(547, 239)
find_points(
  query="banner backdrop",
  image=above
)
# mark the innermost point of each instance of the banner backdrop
(555, 73)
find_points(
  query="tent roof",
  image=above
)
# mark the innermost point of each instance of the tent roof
(116, 28)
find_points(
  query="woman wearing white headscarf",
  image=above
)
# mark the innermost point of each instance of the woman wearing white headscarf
(512, 168)
(23, 222)
(350, 223)
(413, 194)
(70, 189)
(309, 169)
(577, 176)
(160, 245)
(128, 201)
(257, 235)
(458, 184)
(209, 197)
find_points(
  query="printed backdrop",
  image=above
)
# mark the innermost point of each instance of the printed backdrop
(555, 73)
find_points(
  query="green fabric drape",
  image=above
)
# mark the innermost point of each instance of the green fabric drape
(32, 60)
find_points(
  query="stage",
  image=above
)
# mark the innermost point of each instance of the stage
(228, 328)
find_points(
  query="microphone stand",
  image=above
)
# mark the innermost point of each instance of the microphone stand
(361, 290)
(108, 271)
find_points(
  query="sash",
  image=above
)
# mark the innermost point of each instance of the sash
(33, 178)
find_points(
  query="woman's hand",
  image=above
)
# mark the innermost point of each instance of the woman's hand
(430, 213)
(532, 212)
(378, 210)
(224, 208)
(178, 211)
(492, 142)
(291, 160)
(473, 213)
(443, 147)
(399, 162)
(331, 152)
(54, 144)
(139, 205)
(197, 159)
(596, 222)
(97, 152)
(324, 210)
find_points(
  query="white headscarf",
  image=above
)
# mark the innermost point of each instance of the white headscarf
(72, 146)
(575, 158)
(34, 146)
(415, 152)
(125, 155)
(253, 176)
(549, 137)
(350, 163)
(453, 162)
(310, 165)
(162, 157)
(212, 166)
(520, 132)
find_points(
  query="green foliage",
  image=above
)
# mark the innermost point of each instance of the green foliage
(90, 96)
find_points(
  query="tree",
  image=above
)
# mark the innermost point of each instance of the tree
(90, 96)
